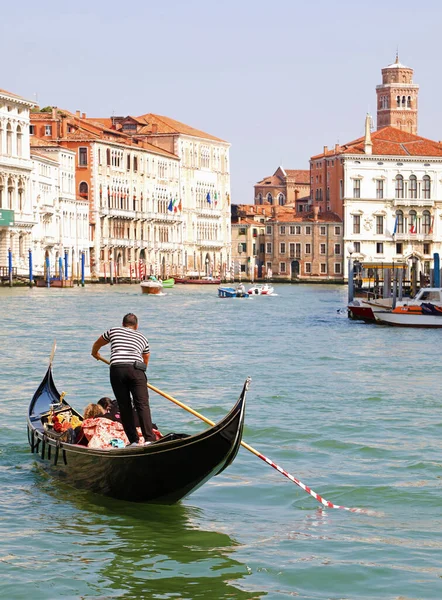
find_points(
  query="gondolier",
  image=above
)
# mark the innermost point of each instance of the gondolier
(130, 354)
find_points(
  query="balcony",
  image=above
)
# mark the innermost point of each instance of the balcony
(406, 202)
(208, 212)
(413, 237)
(49, 240)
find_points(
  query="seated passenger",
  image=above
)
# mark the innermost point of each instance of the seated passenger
(112, 411)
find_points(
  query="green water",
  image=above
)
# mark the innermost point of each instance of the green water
(352, 410)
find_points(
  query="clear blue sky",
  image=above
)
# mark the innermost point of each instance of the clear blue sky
(278, 80)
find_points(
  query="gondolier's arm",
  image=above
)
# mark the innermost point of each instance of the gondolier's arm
(97, 345)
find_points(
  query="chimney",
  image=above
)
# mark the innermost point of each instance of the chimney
(325, 149)
(336, 147)
(154, 128)
(315, 213)
(54, 112)
(77, 113)
(368, 144)
(83, 116)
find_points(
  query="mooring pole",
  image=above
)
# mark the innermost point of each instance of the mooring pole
(82, 269)
(436, 270)
(30, 269)
(10, 266)
(66, 265)
(48, 273)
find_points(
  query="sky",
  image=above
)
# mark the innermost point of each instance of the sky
(277, 80)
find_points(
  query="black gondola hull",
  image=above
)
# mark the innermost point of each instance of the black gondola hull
(163, 472)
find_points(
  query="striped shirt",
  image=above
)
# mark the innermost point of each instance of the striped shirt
(127, 345)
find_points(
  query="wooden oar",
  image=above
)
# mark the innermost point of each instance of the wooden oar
(299, 483)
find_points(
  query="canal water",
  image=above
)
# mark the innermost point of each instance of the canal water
(352, 410)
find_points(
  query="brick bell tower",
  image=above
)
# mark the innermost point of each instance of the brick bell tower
(397, 98)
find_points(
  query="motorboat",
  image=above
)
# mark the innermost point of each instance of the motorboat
(261, 289)
(151, 286)
(366, 309)
(163, 472)
(168, 283)
(231, 292)
(425, 315)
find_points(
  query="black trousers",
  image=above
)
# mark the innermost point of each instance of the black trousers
(126, 381)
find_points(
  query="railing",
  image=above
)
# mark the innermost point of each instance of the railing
(4, 272)
(413, 202)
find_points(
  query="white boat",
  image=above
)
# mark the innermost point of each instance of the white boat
(261, 289)
(367, 309)
(425, 315)
(151, 287)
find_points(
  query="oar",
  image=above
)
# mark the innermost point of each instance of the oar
(299, 483)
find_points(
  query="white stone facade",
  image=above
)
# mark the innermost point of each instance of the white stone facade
(61, 228)
(205, 170)
(15, 172)
(393, 209)
(136, 212)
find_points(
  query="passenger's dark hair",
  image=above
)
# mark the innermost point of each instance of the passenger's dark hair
(105, 402)
(130, 319)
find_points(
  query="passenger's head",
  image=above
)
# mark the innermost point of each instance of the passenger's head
(105, 403)
(130, 320)
(93, 410)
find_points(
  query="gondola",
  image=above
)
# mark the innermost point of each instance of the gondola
(162, 473)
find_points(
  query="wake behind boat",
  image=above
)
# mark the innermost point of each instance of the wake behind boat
(163, 472)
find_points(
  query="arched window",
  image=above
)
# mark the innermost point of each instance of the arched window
(83, 189)
(281, 200)
(426, 187)
(426, 222)
(403, 100)
(259, 198)
(9, 139)
(19, 141)
(412, 187)
(269, 198)
(409, 102)
(399, 186)
(398, 101)
(399, 225)
(1, 138)
(11, 188)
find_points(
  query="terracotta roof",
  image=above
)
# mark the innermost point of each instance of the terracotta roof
(299, 175)
(390, 141)
(291, 217)
(96, 130)
(43, 155)
(6, 93)
(37, 142)
(271, 181)
(167, 125)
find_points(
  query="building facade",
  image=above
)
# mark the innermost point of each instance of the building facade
(284, 187)
(132, 191)
(204, 187)
(390, 196)
(61, 228)
(17, 215)
(278, 244)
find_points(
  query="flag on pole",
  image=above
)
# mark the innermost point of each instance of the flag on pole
(216, 198)
(170, 207)
(395, 225)
(180, 206)
(208, 198)
(413, 225)
(174, 205)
